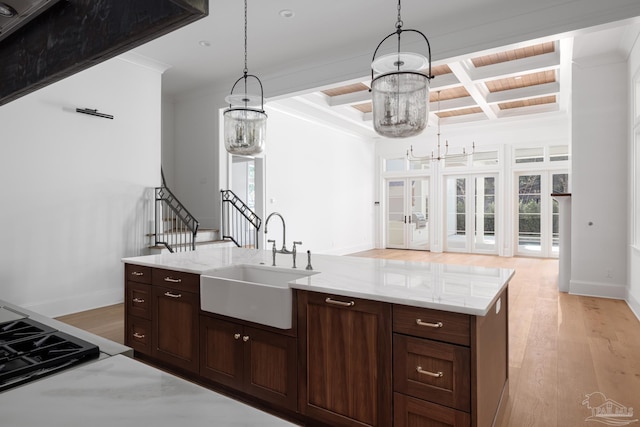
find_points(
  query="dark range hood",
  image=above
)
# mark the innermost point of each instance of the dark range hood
(47, 40)
(16, 13)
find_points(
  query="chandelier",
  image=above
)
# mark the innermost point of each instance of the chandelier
(440, 155)
(245, 122)
(400, 92)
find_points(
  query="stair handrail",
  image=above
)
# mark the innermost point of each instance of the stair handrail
(229, 198)
(184, 220)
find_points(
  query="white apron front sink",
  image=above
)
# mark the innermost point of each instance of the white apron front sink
(255, 293)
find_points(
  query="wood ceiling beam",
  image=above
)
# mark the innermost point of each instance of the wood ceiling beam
(523, 93)
(529, 65)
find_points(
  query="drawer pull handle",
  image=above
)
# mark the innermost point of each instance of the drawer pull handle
(172, 280)
(340, 303)
(438, 374)
(137, 273)
(137, 335)
(236, 336)
(419, 322)
(245, 338)
(138, 300)
(172, 295)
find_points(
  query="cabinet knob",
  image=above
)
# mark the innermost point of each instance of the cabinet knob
(438, 374)
(245, 338)
(236, 336)
(138, 300)
(419, 322)
(138, 336)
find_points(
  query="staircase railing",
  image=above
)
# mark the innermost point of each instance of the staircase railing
(175, 227)
(239, 223)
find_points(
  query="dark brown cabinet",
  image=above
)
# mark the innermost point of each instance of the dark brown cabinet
(255, 361)
(175, 316)
(138, 308)
(346, 362)
(450, 369)
(345, 350)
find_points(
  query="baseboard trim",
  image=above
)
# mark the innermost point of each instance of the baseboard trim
(77, 303)
(593, 289)
(634, 305)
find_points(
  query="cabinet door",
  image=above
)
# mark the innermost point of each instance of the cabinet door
(412, 412)
(221, 348)
(175, 327)
(345, 345)
(270, 366)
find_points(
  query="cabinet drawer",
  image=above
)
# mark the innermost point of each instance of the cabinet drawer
(188, 282)
(433, 324)
(409, 412)
(137, 273)
(138, 300)
(433, 371)
(139, 335)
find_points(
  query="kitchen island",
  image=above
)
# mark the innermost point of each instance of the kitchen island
(371, 342)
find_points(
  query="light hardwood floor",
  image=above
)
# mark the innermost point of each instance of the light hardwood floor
(561, 347)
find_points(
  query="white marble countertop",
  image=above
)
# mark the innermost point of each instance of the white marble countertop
(456, 288)
(119, 391)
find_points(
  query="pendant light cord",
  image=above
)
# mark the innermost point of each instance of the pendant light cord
(246, 69)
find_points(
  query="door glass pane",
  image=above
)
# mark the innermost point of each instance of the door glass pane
(560, 184)
(529, 213)
(419, 223)
(456, 213)
(395, 213)
(485, 214)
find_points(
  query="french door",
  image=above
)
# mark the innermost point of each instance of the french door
(538, 214)
(407, 213)
(470, 214)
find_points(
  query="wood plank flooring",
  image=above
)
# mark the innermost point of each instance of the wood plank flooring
(561, 347)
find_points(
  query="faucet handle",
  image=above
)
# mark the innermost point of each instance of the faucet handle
(296, 243)
(272, 241)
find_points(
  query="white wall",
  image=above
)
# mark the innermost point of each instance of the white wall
(322, 181)
(633, 297)
(75, 194)
(600, 172)
(196, 154)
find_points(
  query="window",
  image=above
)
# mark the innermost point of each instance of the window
(394, 165)
(487, 158)
(529, 155)
(558, 153)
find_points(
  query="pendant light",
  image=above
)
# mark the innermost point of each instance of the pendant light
(245, 122)
(400, 93)
(440, 155)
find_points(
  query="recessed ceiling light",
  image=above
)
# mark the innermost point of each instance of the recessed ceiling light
(7, 11)
(204, 43)
(287, 13)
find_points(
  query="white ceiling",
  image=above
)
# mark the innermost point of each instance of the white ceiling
(323, 33)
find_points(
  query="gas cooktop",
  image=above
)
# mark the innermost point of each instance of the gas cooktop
(30, 350)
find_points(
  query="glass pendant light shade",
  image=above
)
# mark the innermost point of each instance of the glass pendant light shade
(400, 104)
(245, 122)
(400, 93)
(245, 130)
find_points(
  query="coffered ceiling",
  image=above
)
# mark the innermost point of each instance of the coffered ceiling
(492, 60)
